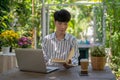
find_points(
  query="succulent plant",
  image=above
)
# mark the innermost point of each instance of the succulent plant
(98, 51)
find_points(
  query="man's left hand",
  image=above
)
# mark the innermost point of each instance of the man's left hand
(67, 65)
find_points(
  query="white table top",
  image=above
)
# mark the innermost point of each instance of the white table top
(8, 54)
(87, 45)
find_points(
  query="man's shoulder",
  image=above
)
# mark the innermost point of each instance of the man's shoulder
(70, 36)
(49, 36)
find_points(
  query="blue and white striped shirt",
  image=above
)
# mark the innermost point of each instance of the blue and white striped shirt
(53, 48)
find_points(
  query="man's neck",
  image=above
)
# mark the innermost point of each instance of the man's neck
(60, 36)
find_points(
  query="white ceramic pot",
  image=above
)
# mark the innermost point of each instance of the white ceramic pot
(5, 50)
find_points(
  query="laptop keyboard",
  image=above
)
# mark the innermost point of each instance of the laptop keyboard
(48, 69)
(51, 68)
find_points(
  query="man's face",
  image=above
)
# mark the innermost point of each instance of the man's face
(61, 27)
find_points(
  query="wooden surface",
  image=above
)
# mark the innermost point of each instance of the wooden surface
(69, 74)
(7, 62)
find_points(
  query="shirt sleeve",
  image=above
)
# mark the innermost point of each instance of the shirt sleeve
(44, 48)
(76, 52)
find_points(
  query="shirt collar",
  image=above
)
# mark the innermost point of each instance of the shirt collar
(54, 36)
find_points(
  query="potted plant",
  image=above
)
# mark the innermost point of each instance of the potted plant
(98, 57)
(8, 38)
(25, 42)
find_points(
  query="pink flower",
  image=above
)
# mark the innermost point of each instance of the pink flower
(24, 42)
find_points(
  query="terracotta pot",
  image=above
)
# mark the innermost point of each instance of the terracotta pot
(98, 63)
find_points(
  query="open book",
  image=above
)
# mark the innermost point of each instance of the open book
(70, 55)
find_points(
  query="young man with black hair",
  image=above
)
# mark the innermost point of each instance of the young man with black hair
(58, 44)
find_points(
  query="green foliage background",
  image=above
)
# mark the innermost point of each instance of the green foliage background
(113, 33)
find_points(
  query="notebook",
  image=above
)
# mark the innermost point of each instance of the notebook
(70, 55)
(32, 60)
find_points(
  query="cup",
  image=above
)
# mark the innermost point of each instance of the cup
(84, 66)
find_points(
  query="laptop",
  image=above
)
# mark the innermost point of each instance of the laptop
(32, 60)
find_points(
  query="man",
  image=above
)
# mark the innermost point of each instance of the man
(58, 44)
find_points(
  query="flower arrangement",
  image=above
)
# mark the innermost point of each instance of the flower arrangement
(8, 38)
(25, 42)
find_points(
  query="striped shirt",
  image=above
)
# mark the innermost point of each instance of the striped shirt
(53, 48)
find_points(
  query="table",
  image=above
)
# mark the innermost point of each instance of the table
(84, 51)
(7, 61)
(69, 74)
